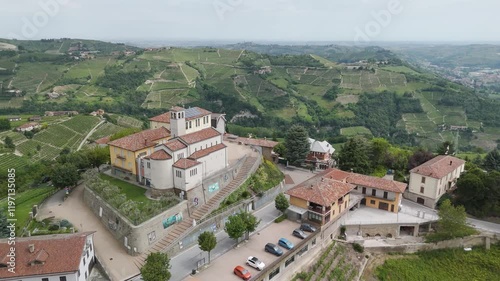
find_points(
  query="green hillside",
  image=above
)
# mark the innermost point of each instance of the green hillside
(333, 90)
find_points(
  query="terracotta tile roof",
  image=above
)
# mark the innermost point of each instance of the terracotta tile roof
(162, 118)
(320, 190)
(377, 183)
(204, 152)
(200, 135)
(104, 140)
(185, 163)
(190, 113)
(58, 253)
(175, 145)
(141, 140)
(336, 174)
(159, 155)
(30, 124)
(438, 166)
(258, 142)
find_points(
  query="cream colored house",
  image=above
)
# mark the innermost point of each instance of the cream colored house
(429, 181)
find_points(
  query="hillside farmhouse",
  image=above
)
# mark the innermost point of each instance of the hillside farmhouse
(28, 127)
(180, 150)
(324, 197)
(49, 257)
(429, 181)
(320, 154)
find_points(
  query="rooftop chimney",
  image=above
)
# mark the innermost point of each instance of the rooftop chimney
(32, 248)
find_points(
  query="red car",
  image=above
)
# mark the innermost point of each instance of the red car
(241, 272)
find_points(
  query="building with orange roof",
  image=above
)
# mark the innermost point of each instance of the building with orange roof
(48, 257)
(324, 197)
(180, 150)
(432, 179)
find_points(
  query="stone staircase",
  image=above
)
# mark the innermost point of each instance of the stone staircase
(180, 229)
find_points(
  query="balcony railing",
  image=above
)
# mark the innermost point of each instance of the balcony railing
(319, 209)
(121, 157)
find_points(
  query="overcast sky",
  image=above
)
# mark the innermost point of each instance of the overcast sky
(253, 20)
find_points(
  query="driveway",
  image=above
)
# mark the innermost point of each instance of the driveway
(110, 253)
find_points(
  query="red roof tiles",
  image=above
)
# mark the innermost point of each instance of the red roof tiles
(103, 140)
(159, 155)
(162, 118)
(200, 135)
(204, 152)
(320, 190)
(438, 167)
(141, 140)
(191, 113)
(185, 163)
(377, 183)
(175, 145)
(53, 254)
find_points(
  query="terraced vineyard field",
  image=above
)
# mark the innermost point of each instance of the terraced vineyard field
(9, 160)
(106, 129)
(128, 122)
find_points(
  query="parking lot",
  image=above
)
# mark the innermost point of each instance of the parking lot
(222, 267)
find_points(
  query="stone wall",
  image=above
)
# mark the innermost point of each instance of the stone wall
(382, 230)
(470, 241)
(134, 238)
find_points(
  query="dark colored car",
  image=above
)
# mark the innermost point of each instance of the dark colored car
(299, 233)
(307, 227)
(241, 272)
(273, 249)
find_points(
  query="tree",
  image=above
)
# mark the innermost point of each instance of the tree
(65, 150)
(235, 227)
(355, 155)
(280, 149)
(4, 124)
(98, 156)
(446, 148)
(451, 223)
(63, 175)
(250, 221)
(297, 144)
(492, 161)
(281, 203)
(4, 231)
(419, 157)
(156, 268)
(9, 143)
(207, 242)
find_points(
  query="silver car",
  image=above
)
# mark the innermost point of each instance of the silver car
(255, 263)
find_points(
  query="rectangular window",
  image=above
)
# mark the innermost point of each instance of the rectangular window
(374, 192)
(47, 279)
(423, 179)
(178, 174)
(84, 261)
(392, 208)
(78, 273)
(148, 165)
(187, 125)
(364, 190)
(63, 278)
(303, 250)
(314, 242)
(274, 273)
(422, 189)
(289, 261)
(193, 172)
(372, 202)
(190, 124)
(385, 194)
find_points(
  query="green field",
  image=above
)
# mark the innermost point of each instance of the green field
(129, 122)
(444, 265)
(133, 192)
(354, 131)
(9, 160)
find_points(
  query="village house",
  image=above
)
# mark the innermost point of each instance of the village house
(180, 150)
(28, 127)
(63, 257)
(14, 118)
(99, 112)
(60, 113)
(265, 145)
(35, 118)
(320, 154)
(325, 196)
(429, 181)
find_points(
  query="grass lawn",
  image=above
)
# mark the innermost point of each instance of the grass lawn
(24, 203)
(442, 265)
(133, 192)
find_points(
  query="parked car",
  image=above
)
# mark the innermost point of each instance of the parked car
(283, 242)
(299, 233)
(255, 263)
(241, 272)
(273, 249)
(307, 227)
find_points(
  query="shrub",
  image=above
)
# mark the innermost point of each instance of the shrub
(65, 223)
(280, 218)
(358, 248)
(54, 227)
